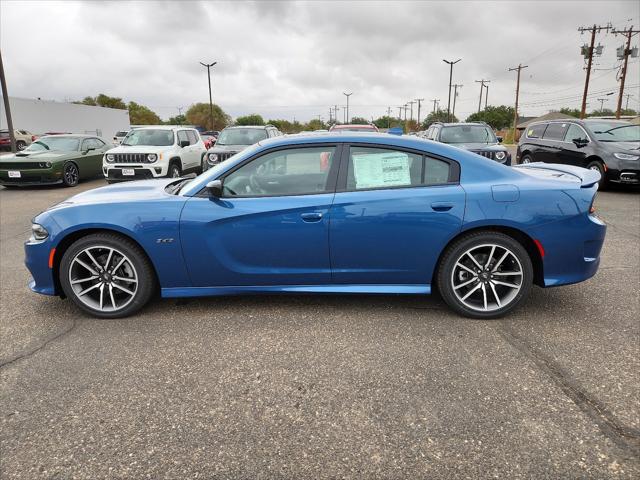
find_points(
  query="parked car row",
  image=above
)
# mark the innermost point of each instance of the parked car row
(23, 139)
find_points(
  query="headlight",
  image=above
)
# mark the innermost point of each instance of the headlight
(500, 155)
(38, 233)
(626, 156)
(44, 164)
(213, 157)
(111, 158)
(152, 157)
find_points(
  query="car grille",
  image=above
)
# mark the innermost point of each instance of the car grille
(21, 165)
(222, 156)
(130, 158)
(485, 153)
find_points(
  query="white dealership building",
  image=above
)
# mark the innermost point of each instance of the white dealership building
(42, 116)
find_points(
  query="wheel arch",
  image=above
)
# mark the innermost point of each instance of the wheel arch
(63, 245)
(177, 160)
(518, 235)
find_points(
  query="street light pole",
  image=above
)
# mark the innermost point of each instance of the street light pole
(7, 108)
(451, 64)
(209, 65)
(347, 113)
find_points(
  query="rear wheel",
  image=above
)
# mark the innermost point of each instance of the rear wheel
(485, 275)
(107, 275)
(21, 145)
(598, 167)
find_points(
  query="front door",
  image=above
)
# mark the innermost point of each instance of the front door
(395, 214)
(573, 150)
(270, 227)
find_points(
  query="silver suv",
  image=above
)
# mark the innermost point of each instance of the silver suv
(235, 139)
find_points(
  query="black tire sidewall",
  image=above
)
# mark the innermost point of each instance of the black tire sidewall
(453, 253)
(528, 157)
(21, 143)
(600, 166)
(173, 167)
(64, 177)
(146, 275)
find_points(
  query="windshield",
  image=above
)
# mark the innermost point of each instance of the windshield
(615, 131)
(241, 136)
(149, 136)
(467, 134)
(65, 144)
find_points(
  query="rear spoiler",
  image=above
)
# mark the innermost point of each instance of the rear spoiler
(587, 177)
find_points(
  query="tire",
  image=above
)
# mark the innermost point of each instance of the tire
(70, 175)
(458, 270)
(21, 145)
(526, 158)
(599, 167)
(119, 290)
(174, 170)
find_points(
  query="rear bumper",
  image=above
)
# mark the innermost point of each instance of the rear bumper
(572, 249)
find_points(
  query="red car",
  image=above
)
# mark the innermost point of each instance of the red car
(354, 128)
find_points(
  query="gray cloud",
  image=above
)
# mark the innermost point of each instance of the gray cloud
(286, 59)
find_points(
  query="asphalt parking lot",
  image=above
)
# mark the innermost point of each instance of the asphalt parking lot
(323, 386)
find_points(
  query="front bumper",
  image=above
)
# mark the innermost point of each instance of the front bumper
(624, 176)
(36, 259)
(30, 177)
(114, 172)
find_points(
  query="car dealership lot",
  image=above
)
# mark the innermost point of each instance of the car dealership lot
(323, 386)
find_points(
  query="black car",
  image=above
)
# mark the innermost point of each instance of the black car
(611, 147)
(477, 137)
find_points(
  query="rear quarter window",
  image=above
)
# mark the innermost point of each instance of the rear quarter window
(536, 131)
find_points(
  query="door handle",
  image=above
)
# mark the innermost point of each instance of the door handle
(441, 206)
(311, 217)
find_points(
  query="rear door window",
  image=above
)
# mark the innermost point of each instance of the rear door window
(375, 168)
(555, 131)
(536, 131)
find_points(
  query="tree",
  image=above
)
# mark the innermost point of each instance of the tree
(573, 112)
(285, 126)
(605, 112)
(359, 121)
(177, 120)
(103, 100)
(141, 115)
(198, 114)
(498, 117)
(253, 119)
(437, 116)
(87, 101)
(315, 124)
(387, 122)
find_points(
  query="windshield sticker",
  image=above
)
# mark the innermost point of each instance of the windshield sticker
(381, 169)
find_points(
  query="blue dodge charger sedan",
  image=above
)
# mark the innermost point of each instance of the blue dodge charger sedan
(332, 213)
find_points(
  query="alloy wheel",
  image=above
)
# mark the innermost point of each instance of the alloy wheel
(103, 278)
(71, 174)
(487, 277)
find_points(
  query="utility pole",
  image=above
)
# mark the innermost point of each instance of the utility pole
(515, 112)
(435, 101)
(626, 106)
(627, 51)
(451, 64)
(455, 95)
(587, 52)
(400, 113)
(411, 104)
(209, 65)
(7, 108)
(405, 107)
(602, 100)
(482, 83)
(486, 96)
(388, 117)
(420, 100)
(347, 114)
(335, 109)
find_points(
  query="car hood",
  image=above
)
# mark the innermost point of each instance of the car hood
(139, 149)
(46, 155)
(631, 147)
(227, 148)
(480, 146)
(122, 192)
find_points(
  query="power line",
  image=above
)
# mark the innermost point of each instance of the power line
(588, 53)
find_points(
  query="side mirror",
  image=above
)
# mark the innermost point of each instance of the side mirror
(184, 143)
(580, 142)
(84, 152)
(215, 188)
(499, 138)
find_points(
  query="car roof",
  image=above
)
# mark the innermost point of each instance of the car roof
(233, 127)
(351, 125)
(71, 135)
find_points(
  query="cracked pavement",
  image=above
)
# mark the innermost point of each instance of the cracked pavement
(323, 386)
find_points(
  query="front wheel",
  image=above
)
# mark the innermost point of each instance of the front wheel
(70, 175)
(174, 171)
(526, 159)
(598, 167)
(107, 275)
(485, 275)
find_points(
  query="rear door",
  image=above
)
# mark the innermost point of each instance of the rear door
(393, 213)
(552, 142)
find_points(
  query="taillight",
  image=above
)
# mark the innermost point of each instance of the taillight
(33, 138)
(592, 207)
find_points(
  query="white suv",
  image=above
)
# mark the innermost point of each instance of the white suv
(153, 152)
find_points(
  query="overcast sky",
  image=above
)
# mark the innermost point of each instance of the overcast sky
(294, 59)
